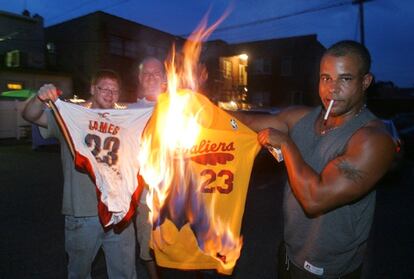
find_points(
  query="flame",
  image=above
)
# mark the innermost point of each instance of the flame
(188, 73)
(174, 185)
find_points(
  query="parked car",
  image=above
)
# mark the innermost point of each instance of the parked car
(399, 148)
(403, 120)
(405, 126)
(407, 135)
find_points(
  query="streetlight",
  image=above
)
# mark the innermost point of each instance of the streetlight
(243, 56)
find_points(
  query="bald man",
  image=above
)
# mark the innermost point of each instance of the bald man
(152, 82)
(152, 78)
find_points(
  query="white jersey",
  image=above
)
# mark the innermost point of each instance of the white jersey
(142, 103)
(106, 144)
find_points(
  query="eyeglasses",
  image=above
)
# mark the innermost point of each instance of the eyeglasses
(108, 91)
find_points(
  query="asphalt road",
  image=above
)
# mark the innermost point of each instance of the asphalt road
(31, 234)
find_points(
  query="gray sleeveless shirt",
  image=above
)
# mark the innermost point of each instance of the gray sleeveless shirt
(334, 243)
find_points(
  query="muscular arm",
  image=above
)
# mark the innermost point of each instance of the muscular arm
(281, 121)
(34, 109)
(345, 178)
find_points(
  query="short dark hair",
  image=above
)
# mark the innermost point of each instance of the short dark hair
(105, 73)
(346, 47)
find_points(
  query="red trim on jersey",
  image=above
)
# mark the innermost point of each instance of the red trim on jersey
(63, 128)
(132, 207)
(82, 163)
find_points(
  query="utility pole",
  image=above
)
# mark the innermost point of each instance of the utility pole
(360, 4)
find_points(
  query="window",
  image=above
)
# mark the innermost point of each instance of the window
(261, 66)
(131, 49)
(227, 69)
(116, 45)
(13, 59)
(286, 67)
(51, 48)
(123, 47)
(242, 75)
(161, 52)
(150, 50)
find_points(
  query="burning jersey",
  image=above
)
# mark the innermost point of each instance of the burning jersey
(106, 145)
(197, 225)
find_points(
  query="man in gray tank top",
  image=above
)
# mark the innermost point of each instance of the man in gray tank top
(334, 156)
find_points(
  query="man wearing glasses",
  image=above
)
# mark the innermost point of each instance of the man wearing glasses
(84, 234)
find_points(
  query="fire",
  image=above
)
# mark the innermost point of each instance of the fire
(173, 157)
(176, 129)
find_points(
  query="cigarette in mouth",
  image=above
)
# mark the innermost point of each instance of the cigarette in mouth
(328, 110)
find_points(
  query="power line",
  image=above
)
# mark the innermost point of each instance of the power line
(85, 4)
(265, 32)
(266, 20)
(114, 5)
(71, 10)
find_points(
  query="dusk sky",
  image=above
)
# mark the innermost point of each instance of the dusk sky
(389, 24)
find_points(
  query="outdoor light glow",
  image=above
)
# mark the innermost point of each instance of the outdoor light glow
(243, 57)
(14, 86)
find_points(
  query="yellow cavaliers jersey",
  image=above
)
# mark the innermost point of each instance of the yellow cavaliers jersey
(220, 162)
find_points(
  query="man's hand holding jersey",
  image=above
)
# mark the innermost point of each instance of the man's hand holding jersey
(48, 92)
